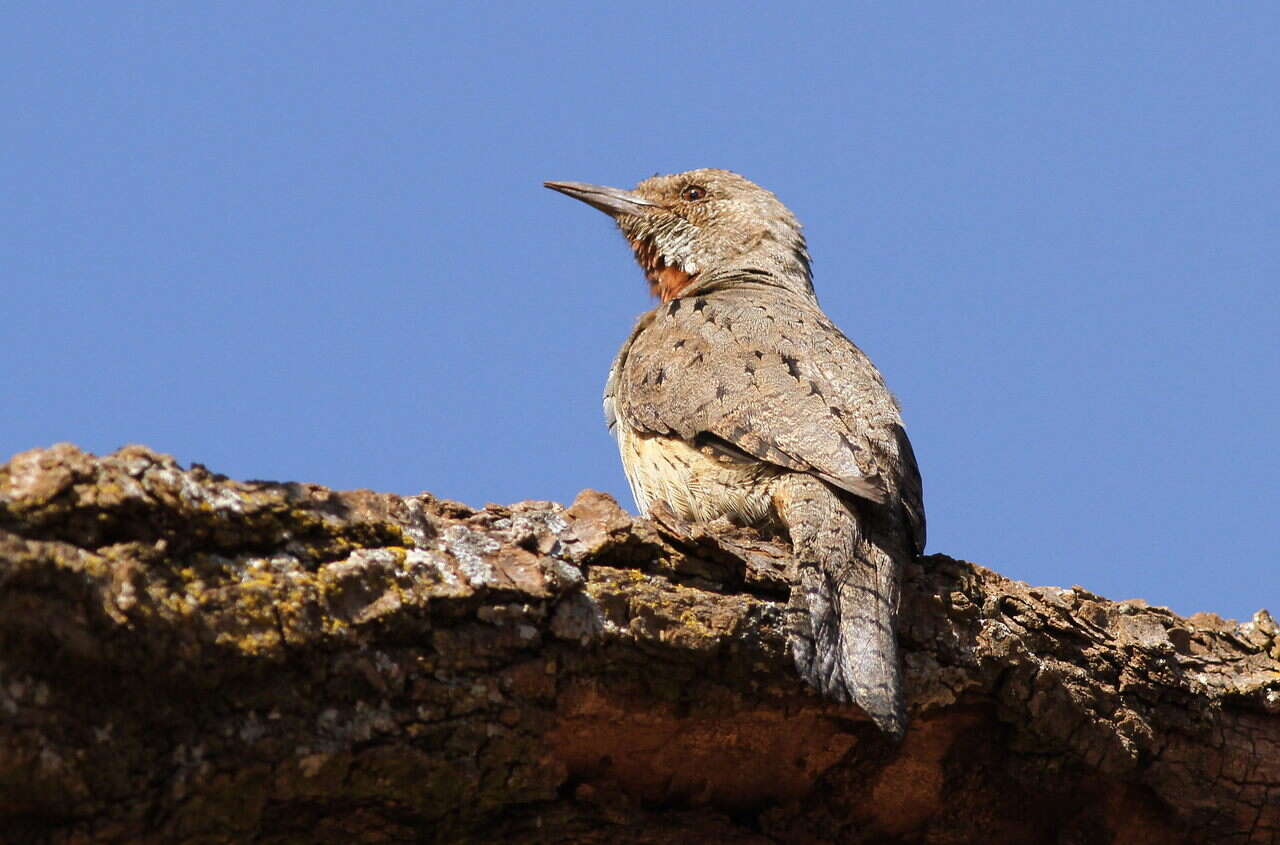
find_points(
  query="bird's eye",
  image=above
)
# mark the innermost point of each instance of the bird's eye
(693, 193)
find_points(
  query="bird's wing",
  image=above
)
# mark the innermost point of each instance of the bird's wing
(611, 385)
(911, 489)
(777, 380)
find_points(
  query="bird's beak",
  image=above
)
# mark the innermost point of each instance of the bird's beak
(612, 201)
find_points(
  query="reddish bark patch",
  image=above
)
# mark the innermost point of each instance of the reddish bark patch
(724, 753)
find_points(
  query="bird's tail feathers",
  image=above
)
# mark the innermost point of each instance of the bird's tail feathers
(843, 605)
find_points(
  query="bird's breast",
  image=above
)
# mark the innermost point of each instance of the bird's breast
(697, 484)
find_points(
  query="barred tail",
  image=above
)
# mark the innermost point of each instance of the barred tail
(843, 603)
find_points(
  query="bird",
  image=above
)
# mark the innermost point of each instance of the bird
(737, 399)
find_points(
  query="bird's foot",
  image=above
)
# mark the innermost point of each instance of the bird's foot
(661, 513)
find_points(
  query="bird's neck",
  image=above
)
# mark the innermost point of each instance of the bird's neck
(765, 280)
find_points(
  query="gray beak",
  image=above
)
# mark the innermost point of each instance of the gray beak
(612, 201)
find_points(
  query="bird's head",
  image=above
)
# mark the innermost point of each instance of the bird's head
(704, 228)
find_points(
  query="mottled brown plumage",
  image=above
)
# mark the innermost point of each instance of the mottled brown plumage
(737, 398)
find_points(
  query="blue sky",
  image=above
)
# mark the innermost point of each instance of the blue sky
(308, 241)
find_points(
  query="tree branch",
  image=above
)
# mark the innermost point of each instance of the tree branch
(188, 658)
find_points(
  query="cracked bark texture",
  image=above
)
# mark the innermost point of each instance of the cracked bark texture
(185, 658)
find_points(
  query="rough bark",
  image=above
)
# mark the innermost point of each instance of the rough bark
(188, 658)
